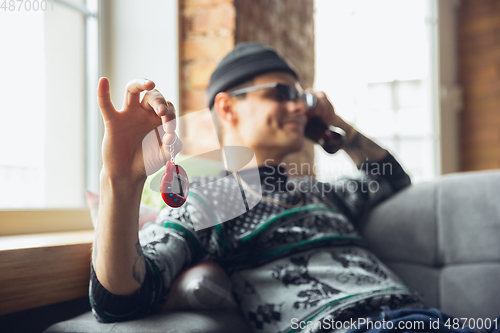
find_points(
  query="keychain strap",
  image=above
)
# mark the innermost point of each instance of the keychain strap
(170, 146)
(172, 149)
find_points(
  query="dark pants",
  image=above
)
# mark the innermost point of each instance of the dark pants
(422, 320)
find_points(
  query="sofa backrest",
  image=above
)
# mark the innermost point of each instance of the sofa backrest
(443, 239)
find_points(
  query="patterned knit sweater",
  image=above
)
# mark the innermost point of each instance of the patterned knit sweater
(306, 262)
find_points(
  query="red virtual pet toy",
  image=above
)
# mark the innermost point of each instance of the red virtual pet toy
(174, 184)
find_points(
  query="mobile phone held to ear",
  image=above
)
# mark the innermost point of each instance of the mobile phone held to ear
(330, 138)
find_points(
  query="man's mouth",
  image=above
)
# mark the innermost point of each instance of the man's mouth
(295, 122)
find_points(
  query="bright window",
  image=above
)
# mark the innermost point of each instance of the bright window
(44, 104)
(375, 61)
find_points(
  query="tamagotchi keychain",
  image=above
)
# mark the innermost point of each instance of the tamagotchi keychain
(174, 184)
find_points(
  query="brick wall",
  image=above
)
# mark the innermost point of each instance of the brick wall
(210, 29)
(206, 36)
(287, 26)
(479, 54)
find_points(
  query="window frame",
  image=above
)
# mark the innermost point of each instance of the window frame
(32, 221)
(93, 60)
(101, 17)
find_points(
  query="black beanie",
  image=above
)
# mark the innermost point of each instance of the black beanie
(244, 62)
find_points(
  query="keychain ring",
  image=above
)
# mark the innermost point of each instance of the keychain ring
(173, 143)
(171, 148)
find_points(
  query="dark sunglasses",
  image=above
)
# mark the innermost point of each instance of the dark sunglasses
(287, 93)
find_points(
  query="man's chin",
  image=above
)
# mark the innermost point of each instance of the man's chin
(295, 145)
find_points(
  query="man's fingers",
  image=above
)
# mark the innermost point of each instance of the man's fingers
(133, 90)
(104, 99)
(155, 101)
(169, 122)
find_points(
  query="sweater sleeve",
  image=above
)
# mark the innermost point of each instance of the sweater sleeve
(376, 182)
(169, 245)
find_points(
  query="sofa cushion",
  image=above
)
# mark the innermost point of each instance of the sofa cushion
(160, 322)
(442, 239)
(469, 217)
(471, 290)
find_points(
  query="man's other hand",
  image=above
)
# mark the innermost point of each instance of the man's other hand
(324, 109)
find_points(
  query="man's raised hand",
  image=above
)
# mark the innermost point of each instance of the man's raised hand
(132, 144)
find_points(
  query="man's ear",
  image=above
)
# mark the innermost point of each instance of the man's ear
(223, 104)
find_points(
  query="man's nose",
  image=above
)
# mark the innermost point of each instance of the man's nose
(298, 106)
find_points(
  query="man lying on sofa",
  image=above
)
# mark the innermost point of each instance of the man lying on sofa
(294, 257)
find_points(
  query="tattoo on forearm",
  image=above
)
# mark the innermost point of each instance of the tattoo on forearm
(371, 144)
(362, 149)
(355, 142)
(139, 270)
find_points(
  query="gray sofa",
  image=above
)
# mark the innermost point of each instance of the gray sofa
(442, 238)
